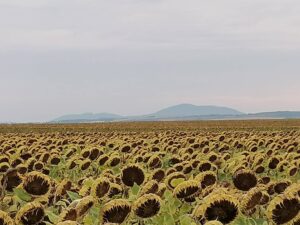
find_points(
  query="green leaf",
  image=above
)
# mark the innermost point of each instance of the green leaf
(61, 203)
(52, 217)
(176, 182)
(168, 195)
(169, 220)
(73, 195)
(185, 208)
(186, 220)
(135, 189)
(22, 194)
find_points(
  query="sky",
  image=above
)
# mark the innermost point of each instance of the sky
(134, 57)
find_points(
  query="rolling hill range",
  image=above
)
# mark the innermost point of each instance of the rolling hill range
(179, 112)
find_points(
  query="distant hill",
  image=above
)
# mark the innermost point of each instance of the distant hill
(87, 117)
(277, 115)
(189, 110)
(179, 112)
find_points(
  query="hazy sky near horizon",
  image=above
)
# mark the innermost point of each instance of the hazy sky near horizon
(137, 56)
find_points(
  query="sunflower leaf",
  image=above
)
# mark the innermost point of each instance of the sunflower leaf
(52, 217)
(22, 194)
(176, 182)
(135, 189)
(73, 195)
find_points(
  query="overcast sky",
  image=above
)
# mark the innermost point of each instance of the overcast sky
(137, 56)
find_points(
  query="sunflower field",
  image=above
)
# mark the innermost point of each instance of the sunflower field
(163, 173)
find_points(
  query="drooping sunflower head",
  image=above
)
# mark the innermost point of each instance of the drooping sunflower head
(116, 211)
(154, 162)
(251, 199)
(281, 186)
(54, 159)
(100, 187)
(115, 189)
(69, 214)
(114, 160)
(244, 180)
(150, 187)
(273, 162)
(4, 166)
(22, 168)
(172, 178)
(5, 219)
(217, 206)
(11, 179)
(84, 205)
(206, 179)
(30, 214)
(36, 183)
(158, 175)
(161, 189)
(84, 164)
(132, 174)
(292, 171)
(283, 210)
(187, 189)
(147, 206)
(205, 166)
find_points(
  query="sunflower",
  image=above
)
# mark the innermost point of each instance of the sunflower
(36, 183)
(265, 198)
(68, 214)
(30, 214)
(62, 188)
(22, 169)
(147, 206)
(4, 166)
(217, 206)
(38, 166)
(84, 205)
(154, 162)
(113, 161)
(273, 162)
(102, 159)
(205, 166)
(244, 180)
(100, 187)
(292, 171)
(161, 189)
(5, 219)
(84, 164)
(282, 210)
(54, 159)
(11, 179)
(132, 174)
(172, 177)
(187, 189)
(115, 189)
(150, 187)
(281, 186)
(94, 154)
(206, 179)
(251, 199)
(158, 175)
(116, 211)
